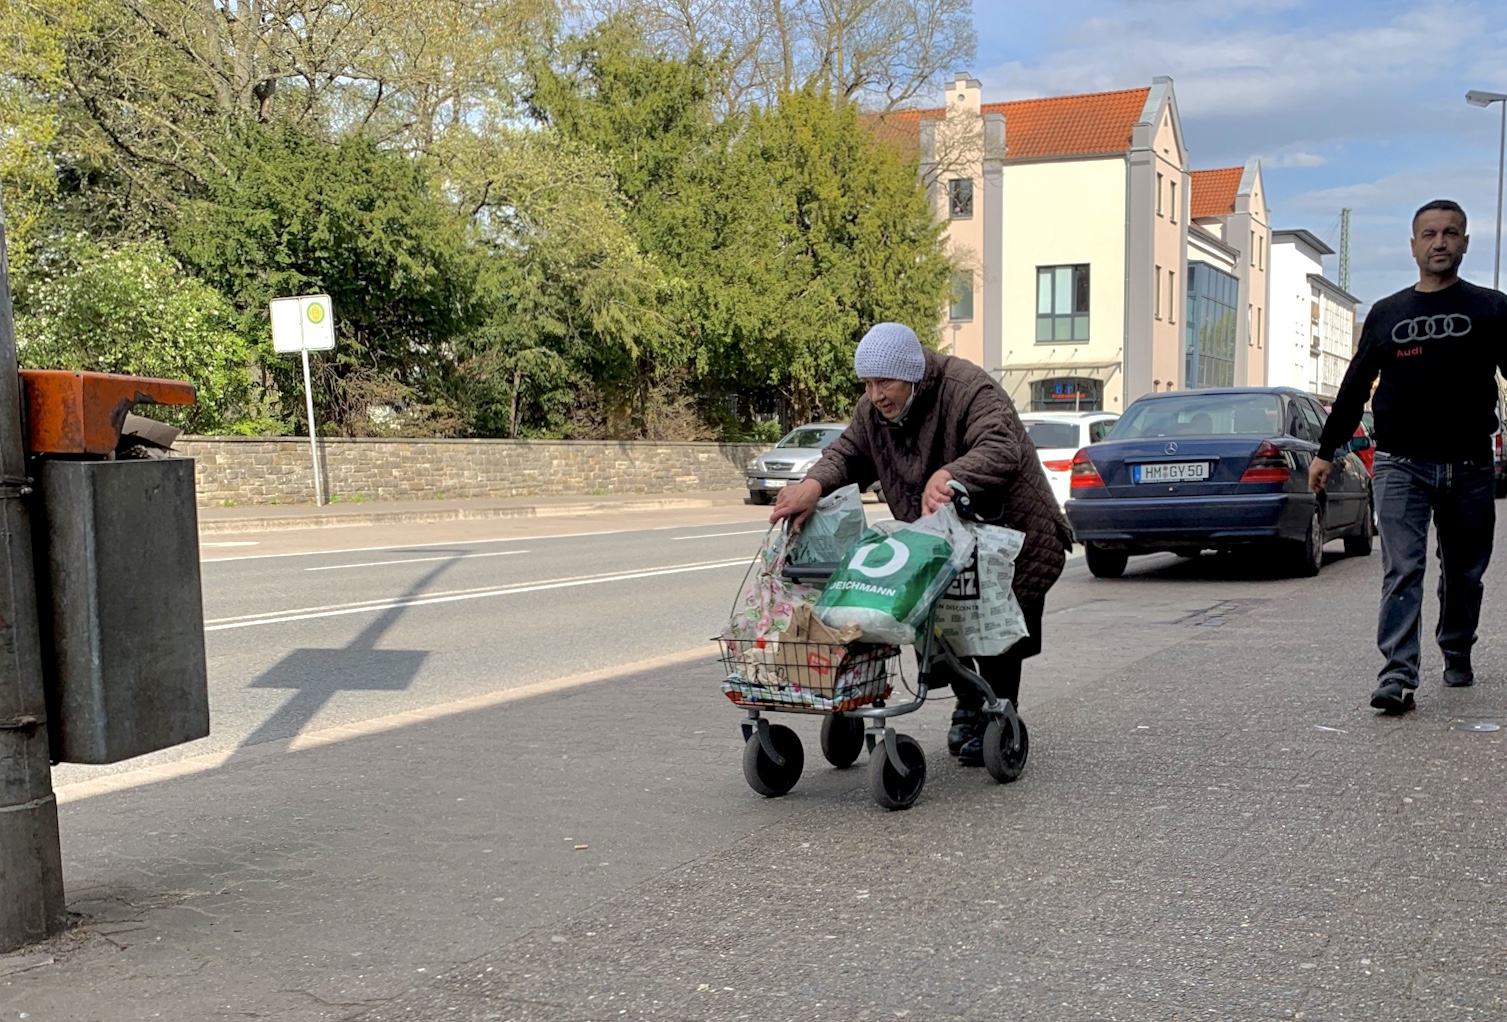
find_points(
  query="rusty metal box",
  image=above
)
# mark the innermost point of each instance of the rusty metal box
(121, 608)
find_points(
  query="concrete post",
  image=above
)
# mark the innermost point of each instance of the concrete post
(31, 862)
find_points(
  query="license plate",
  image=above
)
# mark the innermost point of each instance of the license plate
(1172, 472)
(775, 484)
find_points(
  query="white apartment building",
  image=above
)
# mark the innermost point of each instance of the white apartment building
(1075, 219)
(1313, 319)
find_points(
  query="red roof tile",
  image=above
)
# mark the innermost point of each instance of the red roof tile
(1214, 191)
(1090, 125)
(1096, 124)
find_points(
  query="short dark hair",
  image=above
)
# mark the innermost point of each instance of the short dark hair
(1448, 205)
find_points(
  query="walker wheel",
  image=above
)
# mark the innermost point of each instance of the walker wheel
(1005, 753)
(763, 774)
(891, 790)
(842, 739)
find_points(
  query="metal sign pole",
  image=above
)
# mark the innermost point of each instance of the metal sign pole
(308, 393)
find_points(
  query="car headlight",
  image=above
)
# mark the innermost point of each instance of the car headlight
(807, 465)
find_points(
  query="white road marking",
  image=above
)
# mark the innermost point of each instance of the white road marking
(452, 542)
(416, 560)
(243, 542)
(714, 535)
(309, 614)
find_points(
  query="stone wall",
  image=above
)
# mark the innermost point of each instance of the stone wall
(266, 470)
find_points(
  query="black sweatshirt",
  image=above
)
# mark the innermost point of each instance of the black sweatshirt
(1437, 353)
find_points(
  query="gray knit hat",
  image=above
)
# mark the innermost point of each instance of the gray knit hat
(890, 351)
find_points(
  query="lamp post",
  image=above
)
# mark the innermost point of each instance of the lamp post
(1484, 99)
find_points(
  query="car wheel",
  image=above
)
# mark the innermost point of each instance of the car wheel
(1308, 555)
(1360, 545)
(1104, 563)
(759, 497)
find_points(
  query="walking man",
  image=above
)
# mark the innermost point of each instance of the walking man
(1437, 347)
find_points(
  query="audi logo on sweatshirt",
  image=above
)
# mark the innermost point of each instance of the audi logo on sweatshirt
(1424, 328)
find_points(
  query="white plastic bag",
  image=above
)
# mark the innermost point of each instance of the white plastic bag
(979, 615)
(833, 529)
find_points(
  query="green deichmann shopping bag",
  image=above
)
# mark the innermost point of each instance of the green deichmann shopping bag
(890, 581)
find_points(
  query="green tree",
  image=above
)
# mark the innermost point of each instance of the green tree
(294, 215)
(134, 311)
(814, 232)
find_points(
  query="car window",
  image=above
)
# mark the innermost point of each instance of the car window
(1196, 414)
(1304, 420)
(1048, 435)
(1099, 430)
(813, 439)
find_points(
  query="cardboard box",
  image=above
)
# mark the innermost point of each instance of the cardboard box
(810, 654)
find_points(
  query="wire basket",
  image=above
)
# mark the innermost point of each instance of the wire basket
(817, 677)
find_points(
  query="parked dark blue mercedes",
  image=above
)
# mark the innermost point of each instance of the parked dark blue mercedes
(1198, 470)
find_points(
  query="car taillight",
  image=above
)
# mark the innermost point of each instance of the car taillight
(1497, 439)
(1065, 465)
(1268, 465)
(1085, 475)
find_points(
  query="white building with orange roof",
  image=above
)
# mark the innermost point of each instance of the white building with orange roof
(1070, 217)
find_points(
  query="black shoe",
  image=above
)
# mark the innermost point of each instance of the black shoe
(971, 754)
(1392, 698)
(1457, 673)
(967, 725)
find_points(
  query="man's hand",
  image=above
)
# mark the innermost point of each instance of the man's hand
(1318, 474)
(796, 503)
(937, 492)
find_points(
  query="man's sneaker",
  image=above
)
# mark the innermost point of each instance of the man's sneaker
(967, 725)
(1457, 673)
(1392, 697)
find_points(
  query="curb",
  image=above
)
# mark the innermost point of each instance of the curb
(279, 523)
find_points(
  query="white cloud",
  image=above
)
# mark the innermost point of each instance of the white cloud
(1293, 159)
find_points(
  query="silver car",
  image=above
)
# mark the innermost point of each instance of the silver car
(790, 459)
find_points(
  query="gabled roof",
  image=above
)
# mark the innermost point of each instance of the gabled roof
(1097, 124)
(1214, 191)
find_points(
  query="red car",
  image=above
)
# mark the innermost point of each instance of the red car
(1367, 453)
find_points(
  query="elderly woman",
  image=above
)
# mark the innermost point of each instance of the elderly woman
(926, 420)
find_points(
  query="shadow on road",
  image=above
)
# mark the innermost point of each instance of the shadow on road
(316, 675)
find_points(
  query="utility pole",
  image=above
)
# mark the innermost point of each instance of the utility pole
(31, 861)
(1345, 249)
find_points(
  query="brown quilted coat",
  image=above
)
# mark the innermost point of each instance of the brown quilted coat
(962, 421)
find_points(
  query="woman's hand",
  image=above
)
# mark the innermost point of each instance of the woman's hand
(796, 503)
(937, 491)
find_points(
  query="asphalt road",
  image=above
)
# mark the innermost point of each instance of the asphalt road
(306, 632)
(1213, 824)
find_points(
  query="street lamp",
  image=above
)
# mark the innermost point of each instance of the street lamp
(1477, 98)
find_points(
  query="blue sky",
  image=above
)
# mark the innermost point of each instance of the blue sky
(1357, 103)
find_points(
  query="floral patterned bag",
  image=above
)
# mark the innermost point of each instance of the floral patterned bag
(768, 599)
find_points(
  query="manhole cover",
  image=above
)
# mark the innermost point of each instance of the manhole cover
(1477, 725)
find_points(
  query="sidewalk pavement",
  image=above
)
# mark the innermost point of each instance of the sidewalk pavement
(275, 517)
(1221, 829)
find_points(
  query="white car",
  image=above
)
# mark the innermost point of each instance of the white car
(1060, 435)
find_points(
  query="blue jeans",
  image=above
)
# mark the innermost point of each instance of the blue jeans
(1459, 497)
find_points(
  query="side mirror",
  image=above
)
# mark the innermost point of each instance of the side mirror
(1360, 443)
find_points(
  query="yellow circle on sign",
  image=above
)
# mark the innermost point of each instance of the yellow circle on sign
(315, 313)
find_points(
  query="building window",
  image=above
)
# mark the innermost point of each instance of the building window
(960, 198)
(1068, 394)
(1159, 190)
(1062, 303)
(1158, 292)
(1173, 202)
(961, 304)
(1171, 297)
(1210, 326)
